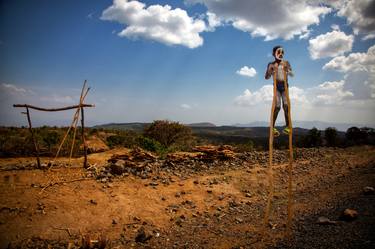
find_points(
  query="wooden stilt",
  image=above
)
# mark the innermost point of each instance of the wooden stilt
(290, 165)
(270, 147)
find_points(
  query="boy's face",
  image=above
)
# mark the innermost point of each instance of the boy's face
(279, 54)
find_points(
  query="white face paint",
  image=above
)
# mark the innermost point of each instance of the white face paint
(279, 54)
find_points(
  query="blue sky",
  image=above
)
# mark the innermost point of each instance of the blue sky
(181, 60)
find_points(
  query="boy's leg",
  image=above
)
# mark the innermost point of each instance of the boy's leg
(285, 107)
(286, 114)
(276, 133)
(277, 106)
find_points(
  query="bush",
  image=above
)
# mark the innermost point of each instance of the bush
(151, 145)
(249, 146)
(50, 138)
(127, 139)
(172, 135)
(330, 135)
(312, 139)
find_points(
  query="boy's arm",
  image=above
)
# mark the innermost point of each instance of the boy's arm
(269, 71)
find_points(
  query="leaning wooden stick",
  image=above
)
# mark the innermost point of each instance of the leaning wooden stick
(74, 138)
(65, 136)
(74, 122)
(81, 99)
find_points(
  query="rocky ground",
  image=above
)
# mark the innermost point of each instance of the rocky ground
(212, 198)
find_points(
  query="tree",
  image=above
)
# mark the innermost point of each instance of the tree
(313, 138)
(169, 133)
(330, 135)
(355, 136)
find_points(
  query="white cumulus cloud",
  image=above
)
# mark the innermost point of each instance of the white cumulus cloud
(330, 44)
(360, 14)
(247, 71)
(155, 22)
(270, 19)
(213, 21)
(353, 62)
(264, 95)
(359, 69)
(331, 93)
(248, 98)
(327, 93)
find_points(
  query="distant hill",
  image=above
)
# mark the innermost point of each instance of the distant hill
(136, 126)
(208, 129)
(202, 124)
(320, 125)
(208, 133)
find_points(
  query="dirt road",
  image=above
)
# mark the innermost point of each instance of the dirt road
(220, 206)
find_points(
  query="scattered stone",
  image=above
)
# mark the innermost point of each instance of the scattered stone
(209, 191)
(325, 221)
(368, 190)
(114, 222)
(153, 184)
(142, 236)
(248, 195)
(238, 220)
(349, 214)
(179, 221)
(118, 167)
(221, 197)
(93, 202)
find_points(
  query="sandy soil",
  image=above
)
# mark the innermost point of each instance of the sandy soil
(221, 207)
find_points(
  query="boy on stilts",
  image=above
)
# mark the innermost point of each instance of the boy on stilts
(280, 69)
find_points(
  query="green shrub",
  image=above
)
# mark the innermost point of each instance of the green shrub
(151, 145)
(170, 134)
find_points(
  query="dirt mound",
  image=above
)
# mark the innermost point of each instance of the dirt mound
(95, 145)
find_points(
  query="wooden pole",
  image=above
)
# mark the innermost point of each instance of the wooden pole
(53, 109)
(33, 138)
(83, 126)
(290, 165)
(81, 99)
(270, 147)
(83, 138)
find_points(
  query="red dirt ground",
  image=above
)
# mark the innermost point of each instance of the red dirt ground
(216, 208)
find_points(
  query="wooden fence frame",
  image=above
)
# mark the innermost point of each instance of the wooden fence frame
(80, 109)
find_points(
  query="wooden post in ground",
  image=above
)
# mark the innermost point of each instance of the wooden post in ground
(33, 137)
(83, 138)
